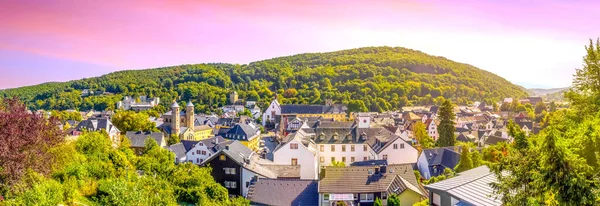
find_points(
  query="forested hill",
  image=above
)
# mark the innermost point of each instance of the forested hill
(383, 78)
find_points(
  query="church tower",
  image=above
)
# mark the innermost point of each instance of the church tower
(189, 115)
(176, 120)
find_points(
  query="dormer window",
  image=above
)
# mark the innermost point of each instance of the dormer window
(335, 136)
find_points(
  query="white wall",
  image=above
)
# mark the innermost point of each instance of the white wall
(195, 154)
(306, 159)
(408, 154)
(247, 176)
(436, 199)
(423, 166)
(268, 115)
(358, 153)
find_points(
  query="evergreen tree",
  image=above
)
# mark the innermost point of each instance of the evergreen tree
(446, 128)
(520, 140)
(465, 163)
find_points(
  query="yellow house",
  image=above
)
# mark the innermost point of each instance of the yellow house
(203, 132)
(247, 134)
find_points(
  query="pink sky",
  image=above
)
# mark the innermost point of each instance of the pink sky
(532, 43)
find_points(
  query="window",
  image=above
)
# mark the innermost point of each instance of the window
(197, 160)
(201, 144)
(364, 158)
(325, 196)
(355, 196)
(343, 148)
(395, 146)
(351, 159)
(322, 148)
(343, 159)
(385, 157)
(197, 151)
(365, 148)
(294, 161)
(322, 159)
(229, 171)
(366, 197)
(333, 148)
(192, 153)
(203, 152)
(351, 148)
(402, 146)
(222, 157)
(230, 184)
(293, 145)
(332, 159)
(201, 160)
(384, 195)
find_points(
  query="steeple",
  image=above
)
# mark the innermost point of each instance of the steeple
(189, 115)
(176, 120)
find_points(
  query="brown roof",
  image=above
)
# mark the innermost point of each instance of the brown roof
(356, 179)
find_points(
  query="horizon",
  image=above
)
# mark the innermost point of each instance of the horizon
(536, 44)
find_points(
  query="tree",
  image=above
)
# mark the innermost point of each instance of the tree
(393, 200)
(338, 164)
(520, 139)
(465, 163)
(132, 121)
(422, 137)
(357, 106)
(377, 202)
(173, 139)
(25, 139)
(446, 128)
(552, 106)
(540, 107)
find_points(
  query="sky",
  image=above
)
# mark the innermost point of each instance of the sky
(533, 43)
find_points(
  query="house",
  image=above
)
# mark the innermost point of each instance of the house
(236, 168)
(361, 185)
(298, 149)
(535, 100)
(246, 133)
(191, 129)
(144, 103)
(471, 187)
(508, 100)
(431, 127)
(329, 110)
(203, 149)
(179, 151)
(269, 116)
(284, 192)
(98, 124)
(432, 162)
(138, 140)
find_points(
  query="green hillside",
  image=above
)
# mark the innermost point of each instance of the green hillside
(384, 78)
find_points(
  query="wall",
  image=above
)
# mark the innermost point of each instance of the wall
(408, 154)
(306, 159)
(358, 153)
(220, 177)
(247, 176)
(194, 156)
(423, 166)
(409, 197)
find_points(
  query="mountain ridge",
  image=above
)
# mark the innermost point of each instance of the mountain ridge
(381, 77)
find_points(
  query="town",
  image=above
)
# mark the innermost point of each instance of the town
(301, 154)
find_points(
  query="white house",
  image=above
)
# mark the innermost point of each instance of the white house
(271, 112)
(431, 127)
(298, 150)
(203, 149)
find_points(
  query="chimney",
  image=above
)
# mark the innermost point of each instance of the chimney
(383, 169)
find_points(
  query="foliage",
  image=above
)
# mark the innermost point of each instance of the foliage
(63, 116)
(393, 200)
(338, 164)
(422, 137)
(558, 166)
(91, 171)
(424, 202)
(465, 163)
(173, 139)
(132, 121)
(383, 78)
(377, 202)
(25, 139)
(446, 128)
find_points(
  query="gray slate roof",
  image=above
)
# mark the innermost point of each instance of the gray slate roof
(445, 157)
(471, 186)
(95, 124)
(179, 150)
(284, 192)
(138, 139)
